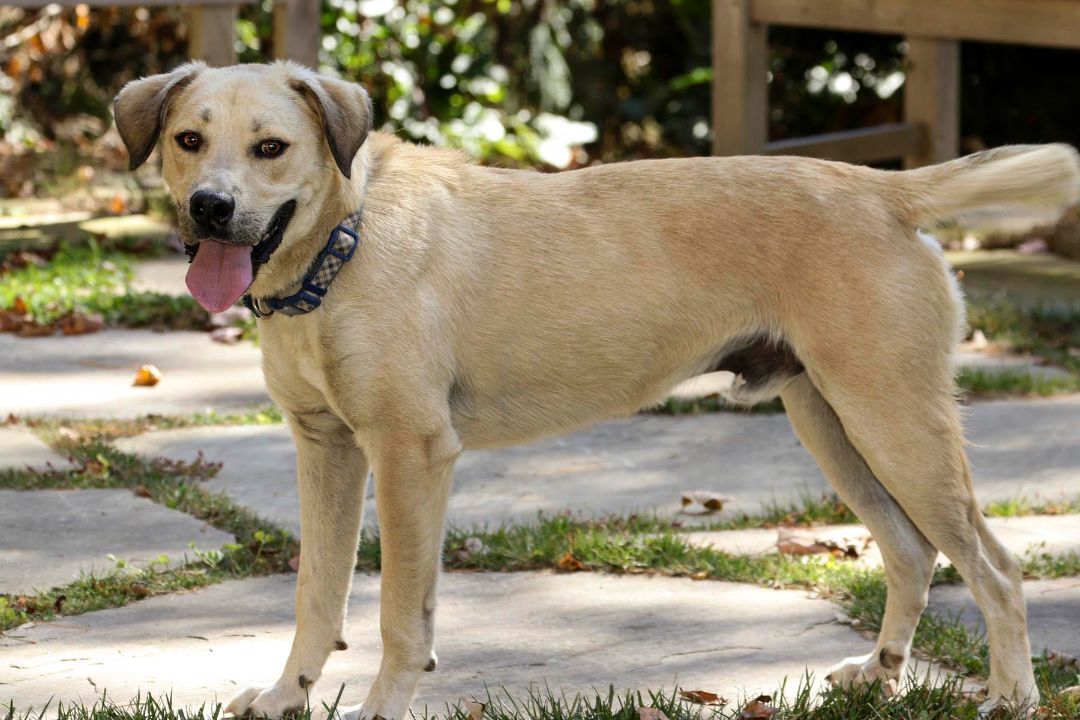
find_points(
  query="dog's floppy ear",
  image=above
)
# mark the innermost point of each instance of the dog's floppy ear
(141, 106)
(344, 109)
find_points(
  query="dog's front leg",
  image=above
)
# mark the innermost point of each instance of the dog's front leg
(331, 476)
(412, 482)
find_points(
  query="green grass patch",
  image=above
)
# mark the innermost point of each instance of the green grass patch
(1051, 332)
(979, 382)
(85, 279)
(923, 699)
(68, 432)
(1024, 507)
(711, 404)
(260, 548)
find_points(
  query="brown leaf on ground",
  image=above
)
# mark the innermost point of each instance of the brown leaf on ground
(29, 328)
(226, 335)
(759, 709)
(142, 491)
(801, 542)
(117, 205)
(9, 321)
(78, 324)
(294, 564)
(474, 709)
(702, 697)
(710, 502)
(19, 306)
(569, 563)
(651, 713)
(147, 376)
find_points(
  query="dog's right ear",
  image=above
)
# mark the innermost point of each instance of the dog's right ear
(141, 106)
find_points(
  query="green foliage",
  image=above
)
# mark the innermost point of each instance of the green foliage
(84, 278)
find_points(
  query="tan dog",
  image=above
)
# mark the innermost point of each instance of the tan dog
(486, 307)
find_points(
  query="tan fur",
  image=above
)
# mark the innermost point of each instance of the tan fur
(489, 306)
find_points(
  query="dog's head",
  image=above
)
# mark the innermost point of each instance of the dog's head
(242, 147)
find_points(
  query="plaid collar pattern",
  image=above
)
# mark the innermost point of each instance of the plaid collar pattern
(344, 239)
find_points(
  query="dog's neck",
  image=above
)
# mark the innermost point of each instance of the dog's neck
(340, 197)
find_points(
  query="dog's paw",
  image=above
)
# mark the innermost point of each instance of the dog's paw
(273, 702)
(863, 670)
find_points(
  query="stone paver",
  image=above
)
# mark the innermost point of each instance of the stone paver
(91, 375)
(1053, 612)
(575, 632)
(1056, 534)
(20, 449)
(1019, 448)
(162, 275)
(48, 536)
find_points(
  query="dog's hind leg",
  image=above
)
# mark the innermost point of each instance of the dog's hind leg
(909, 557)
(893, 394)
(331, 477)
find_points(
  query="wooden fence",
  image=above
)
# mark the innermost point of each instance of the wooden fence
(211, 23)
(933, 29)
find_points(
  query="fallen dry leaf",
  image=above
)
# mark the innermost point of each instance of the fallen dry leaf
(9, 321)
(147, 376)
(142, 491)
(19, 306)
(700, 575)
(702, 697)
(651, 713)
(569, 563)
(32, 329)
(117, 205)
(227, 335)
(473, 708)
(758, 709)
(294, 564)
(79, 324)
(709, 501)
(802, 542)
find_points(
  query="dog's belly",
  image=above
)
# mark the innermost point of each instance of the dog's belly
(521, 410)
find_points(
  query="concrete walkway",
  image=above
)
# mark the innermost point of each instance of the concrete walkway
(91, 375)
(575, 632)
(1019, 449)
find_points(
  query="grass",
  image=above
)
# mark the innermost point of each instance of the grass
(67, 432)
(1051, 332)
(84, 278)
(924, 698)
(1023, 507)
(260, 548)
(982, 383)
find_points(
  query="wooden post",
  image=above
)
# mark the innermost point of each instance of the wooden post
(740, 58)
(212, 34)
(932, 98)
(297, 31)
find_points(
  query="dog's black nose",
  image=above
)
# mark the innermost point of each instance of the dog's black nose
(212, 211)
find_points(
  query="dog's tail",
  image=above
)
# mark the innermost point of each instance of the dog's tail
(1009, 188)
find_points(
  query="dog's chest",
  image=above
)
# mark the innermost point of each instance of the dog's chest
(293, 364)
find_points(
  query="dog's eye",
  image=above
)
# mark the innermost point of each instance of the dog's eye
(270, 148)
(189, 141)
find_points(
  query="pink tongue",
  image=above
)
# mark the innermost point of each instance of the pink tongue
(219, 274)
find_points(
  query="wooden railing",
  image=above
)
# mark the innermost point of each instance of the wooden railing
(930, 129)
(211, 26)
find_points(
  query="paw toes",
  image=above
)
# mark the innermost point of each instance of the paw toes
(240, 704)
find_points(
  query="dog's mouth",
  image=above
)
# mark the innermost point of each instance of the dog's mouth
(220, 273)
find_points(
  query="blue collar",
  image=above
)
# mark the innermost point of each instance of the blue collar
(344, 239)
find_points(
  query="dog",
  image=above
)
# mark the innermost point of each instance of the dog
(487, 306)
